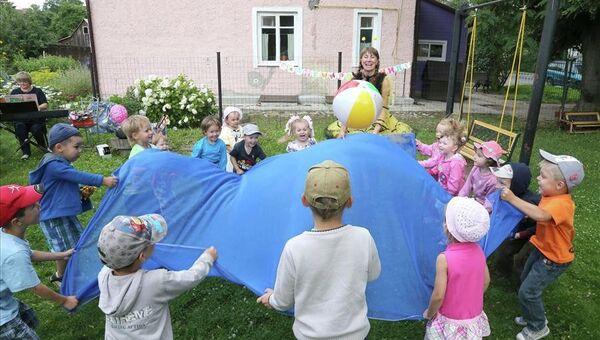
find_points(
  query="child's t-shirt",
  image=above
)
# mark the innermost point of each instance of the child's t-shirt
(324, 275)
(137, 305)
(135, 150)
(247, 160)
(17, 274)
(215, 153)
(554, 238)
(481, 184)
(294, 146)
(231, 136)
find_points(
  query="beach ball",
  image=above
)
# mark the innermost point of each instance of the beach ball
(357, 104)
(118, 113)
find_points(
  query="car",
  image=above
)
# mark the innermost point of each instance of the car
(555, 74)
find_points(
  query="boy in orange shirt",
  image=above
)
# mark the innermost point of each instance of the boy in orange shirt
(553, 240)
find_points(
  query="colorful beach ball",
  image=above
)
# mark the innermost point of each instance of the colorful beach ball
(118, 113)
(357, 104)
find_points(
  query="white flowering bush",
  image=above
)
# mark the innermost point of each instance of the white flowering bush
(184, 102)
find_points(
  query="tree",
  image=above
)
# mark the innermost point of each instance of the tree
(65, 16)
(578, 26)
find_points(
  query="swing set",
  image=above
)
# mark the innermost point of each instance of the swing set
(478, 131)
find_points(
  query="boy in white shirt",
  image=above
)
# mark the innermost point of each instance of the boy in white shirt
(323, 273)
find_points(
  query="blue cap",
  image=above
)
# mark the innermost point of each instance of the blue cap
(61, 132)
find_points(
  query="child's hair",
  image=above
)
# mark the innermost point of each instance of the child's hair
(457, 132)
(553, 169)
(209, 121)
(132, 125)
(447, 123)
(323, 213)
(290, 127)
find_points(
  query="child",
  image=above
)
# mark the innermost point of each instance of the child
(302, 130)
(160, 141)
(553, 240)
(136, 301)
(323, 273)
(511, 255)
(481, 181)
(139, 133)
(450, 167)
(210, 147)
(245, 153)
(19, 209)
(461, 277)
(231, 132)
(62, 201)
(433, 150)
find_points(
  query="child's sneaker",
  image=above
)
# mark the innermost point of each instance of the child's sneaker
(519, 320)
(528, 334)
(56, 280)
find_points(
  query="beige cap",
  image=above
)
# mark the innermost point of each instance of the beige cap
(327, 179)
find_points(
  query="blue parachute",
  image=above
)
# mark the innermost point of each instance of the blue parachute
(249, 218)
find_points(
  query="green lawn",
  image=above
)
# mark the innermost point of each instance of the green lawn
(221, 310)
(552, 94)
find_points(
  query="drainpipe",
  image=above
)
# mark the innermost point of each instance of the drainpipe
(95, 86)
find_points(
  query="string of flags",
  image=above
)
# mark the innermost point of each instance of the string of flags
(305, 72)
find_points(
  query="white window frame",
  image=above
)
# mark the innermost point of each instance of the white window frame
(256, 33)
(444, 44)
(377, 15)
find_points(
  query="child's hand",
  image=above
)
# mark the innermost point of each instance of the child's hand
(426, 315)
(66, 254)
(239, 171)
(70, 302)
(341, 134)
(264, 299)
(212, 251)
(110, 181)
(507, 195)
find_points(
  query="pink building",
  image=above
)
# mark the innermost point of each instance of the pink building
(136, 38)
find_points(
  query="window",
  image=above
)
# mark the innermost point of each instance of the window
(278, 35)
(85, 30)
(432, 50)
(367, 31)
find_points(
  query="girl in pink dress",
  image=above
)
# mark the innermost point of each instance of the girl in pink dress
(456, 307)
(481, 181)
(450, 167)
(433, 150)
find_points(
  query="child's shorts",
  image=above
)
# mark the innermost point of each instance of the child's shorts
(62, 233)
(21, 326)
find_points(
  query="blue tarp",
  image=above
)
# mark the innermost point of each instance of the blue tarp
(249, 218)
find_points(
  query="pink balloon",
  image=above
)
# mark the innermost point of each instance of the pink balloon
(118, 113)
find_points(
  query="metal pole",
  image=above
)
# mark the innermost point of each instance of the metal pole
(219, 86)
(339, 68)
(456, 35)
(93, 65)
(552, 11)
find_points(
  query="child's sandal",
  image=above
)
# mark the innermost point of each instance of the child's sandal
(55, 279)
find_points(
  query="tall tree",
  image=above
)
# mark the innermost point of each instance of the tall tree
(65, 16)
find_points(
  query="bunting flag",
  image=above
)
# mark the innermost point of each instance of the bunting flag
(308, 73)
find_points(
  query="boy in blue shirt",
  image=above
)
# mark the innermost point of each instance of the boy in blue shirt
(19, 209)
(211, 147)
(62, 200)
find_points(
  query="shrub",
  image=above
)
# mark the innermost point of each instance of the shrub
(184, 102)
(74, 83)
(50, 62)
(131, 103)
(43, 77)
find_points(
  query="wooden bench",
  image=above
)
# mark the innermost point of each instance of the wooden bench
(481, 132)
(580, 121)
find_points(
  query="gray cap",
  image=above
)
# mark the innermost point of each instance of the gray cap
(251, 129)
(125, 237)
(570, 167)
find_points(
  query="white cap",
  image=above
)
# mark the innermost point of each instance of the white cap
(505, 171)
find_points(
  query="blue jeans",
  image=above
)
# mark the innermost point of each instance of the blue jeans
(537, 274)
(22, 326)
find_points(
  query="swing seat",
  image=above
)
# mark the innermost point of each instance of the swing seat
(481, 132)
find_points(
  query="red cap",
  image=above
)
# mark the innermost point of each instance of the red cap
(15, 197)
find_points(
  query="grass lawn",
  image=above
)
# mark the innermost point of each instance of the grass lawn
(221, 310)
(552, 94)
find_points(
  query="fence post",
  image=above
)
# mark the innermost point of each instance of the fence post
(339, 68)
(219, 86)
